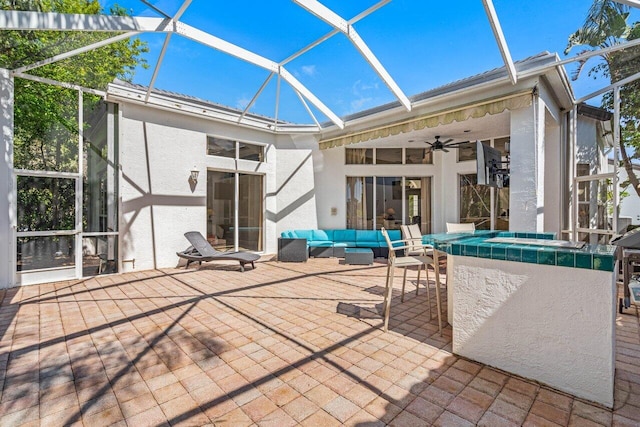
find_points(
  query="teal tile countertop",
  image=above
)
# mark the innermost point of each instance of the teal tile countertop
(593, 257)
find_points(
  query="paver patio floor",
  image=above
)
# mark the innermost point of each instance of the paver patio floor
(282, 345)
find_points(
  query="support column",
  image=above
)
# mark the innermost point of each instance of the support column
(526, 198)
(7, 188)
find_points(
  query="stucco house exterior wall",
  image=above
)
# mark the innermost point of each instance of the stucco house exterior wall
(304, 171)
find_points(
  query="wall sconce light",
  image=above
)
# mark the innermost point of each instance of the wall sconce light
(194, 175)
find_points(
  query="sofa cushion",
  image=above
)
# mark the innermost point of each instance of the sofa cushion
(304, 234)
(287, 234)
(367, 239)
(318, 244)
(345, 236)
(323, 235)
(393, 236)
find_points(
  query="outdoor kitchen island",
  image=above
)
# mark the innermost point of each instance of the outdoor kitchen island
(544, 312)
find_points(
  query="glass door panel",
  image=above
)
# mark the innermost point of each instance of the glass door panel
(418, 202)
(250, 208)
(220, 209)
(360, 203)
(388, 202)
(99, 190)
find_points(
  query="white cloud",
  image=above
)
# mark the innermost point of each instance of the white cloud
(363, 96)
(309, 70)
(359, 104)
(241, 103)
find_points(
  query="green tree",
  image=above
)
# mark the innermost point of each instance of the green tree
(46, 116)
(606, 25)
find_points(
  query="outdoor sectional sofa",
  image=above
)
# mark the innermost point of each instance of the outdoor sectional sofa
(332, 243)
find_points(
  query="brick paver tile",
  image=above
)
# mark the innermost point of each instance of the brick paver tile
(52, 406)
(424, 409)
(520, 400)
(578, 421)
(176, 409)
(131, 392)
(406, 419)
(99, 404)
(466, 409)
(383, 409)
(300, 408)
(489, 419)
(320, 418)
(590, 412)
(341, 408)
(282, 394)
(448, 385)
(508, 411)
(556, 399)
(458, 375)
(303, 383)
(138, 404)
(361, 395)
(363, 418)
(492, 375)
(619, 421)
(149, 417)
(277, 418)
(106, 417)
(20, 417)
(447, 419)
(523, 387)
(169, 392)
(321, 395)
(534, 420)
(258, 408)
(19, 404)
(550, 413)
(437, 395)
(235, 418)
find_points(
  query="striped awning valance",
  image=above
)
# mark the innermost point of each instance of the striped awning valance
(432, 120)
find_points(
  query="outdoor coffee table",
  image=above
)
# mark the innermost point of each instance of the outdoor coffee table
(358, 256)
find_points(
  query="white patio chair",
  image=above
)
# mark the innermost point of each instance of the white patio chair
(457, 227)
(419, 260)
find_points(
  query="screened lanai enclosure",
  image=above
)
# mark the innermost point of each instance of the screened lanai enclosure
(114, 116)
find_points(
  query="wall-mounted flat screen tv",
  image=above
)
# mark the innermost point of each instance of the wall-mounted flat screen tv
(488, 166)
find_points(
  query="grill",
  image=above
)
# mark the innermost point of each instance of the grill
(629, 254)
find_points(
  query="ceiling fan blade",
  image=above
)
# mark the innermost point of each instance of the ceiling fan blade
(447, 141)
(445, 150)
(430, 143)
(456, 144)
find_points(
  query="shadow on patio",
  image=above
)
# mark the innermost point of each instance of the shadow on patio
(286, 344)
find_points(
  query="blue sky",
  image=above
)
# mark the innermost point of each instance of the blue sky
(422, 44)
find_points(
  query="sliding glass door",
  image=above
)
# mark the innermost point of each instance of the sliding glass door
(391, 202)
(235, 211)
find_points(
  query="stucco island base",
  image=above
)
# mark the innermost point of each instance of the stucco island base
(552, 324)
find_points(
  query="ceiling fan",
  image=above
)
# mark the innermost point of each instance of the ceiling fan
(443, 145)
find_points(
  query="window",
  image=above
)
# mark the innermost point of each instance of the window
(475, 202)
(467, 151)
(227, 148)
(395, 201)
(416, 156)
(389, 156)
(359, 156)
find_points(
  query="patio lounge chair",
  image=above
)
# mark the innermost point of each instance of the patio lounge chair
(200, 250)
